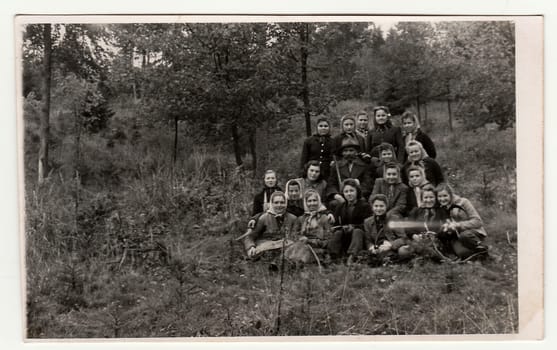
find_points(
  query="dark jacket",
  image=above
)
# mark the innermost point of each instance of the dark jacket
(429, 146)
(361, 211)
(360, 171)
(433, 172)
(434, 220)
(397, 202)
(258, 200)
(392, 135)
(376, 231)
(318, 148)
(268, 228)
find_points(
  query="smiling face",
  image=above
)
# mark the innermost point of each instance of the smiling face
(381, 116)
(391, 176)
(415, 178)
(279, 204)
(312, 202)
(386, 155)
(323, 128)
(428, 199)
(350, 193)
(270, 180)
(408, 124)
(379, 207)
(348, 125)
(313, 172)
(294, 191)
(444, 198)
(414, 153)
(362, 121)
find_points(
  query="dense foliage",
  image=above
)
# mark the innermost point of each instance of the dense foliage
(158, 134)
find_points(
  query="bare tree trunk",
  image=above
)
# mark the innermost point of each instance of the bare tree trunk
(418, 101)
(253, 149)
(175, 148)
(449, 107)
(236, 143)
(425, 112)
(77, 162)
(45, 108)
(304, 41)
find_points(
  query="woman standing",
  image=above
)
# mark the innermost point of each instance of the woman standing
(411, 131)
(418, 156)
(319, 147)
(384, 131)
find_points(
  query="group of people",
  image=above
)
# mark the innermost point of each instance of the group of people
(376, 190)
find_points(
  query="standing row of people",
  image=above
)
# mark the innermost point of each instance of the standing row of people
(364, 189)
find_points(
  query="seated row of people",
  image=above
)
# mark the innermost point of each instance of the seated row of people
(376, 225)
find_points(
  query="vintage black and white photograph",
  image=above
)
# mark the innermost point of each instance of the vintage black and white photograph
(268, 176)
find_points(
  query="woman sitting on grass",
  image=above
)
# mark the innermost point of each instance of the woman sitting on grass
(348, 237)
(411, 131)
(418, 156)
(381, 240)
(314, 229)
(271, 228)
(424, 224)
(416, 182)
(294, 197)
(463, 231)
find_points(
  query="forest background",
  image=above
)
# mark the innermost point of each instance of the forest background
(144, 144)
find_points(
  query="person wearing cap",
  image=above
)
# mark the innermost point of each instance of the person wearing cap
(349, 167)
(348, 132)
(319, 147)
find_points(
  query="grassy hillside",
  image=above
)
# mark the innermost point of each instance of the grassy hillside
(137, 248)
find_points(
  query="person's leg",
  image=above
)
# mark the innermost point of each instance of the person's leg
(335, 244)
(469, 242)
(356, 242)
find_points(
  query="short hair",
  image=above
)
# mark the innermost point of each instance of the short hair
(322, 118)
(361, 112)
(427, 188)
(408, 115)
(354, 183)
(444, 186)
(267, 172)
(312, 163)
(415, 168)
(381, 108)
(378, 197)
(293, 183)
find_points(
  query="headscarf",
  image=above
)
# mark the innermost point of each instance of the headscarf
(311, 218)
(272, 209)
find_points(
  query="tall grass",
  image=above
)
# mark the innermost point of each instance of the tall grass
(151, 251)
